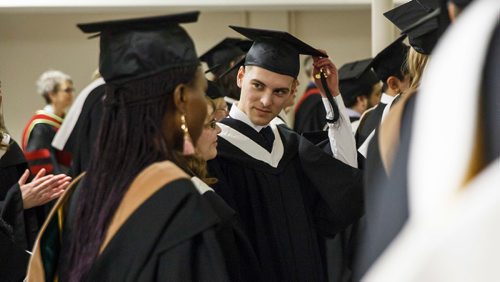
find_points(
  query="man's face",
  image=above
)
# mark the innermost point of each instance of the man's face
(263, 93)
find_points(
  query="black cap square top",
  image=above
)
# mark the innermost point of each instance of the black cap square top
(214, 91)
(136, 48)
(276, 51)
(391, 60)
(356, 78)
(422, 20)
(224, 52)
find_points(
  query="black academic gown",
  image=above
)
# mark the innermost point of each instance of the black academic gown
(491, 98)
(12, 166)
(310, 114)
(37, 145)
(84, 134)
(13, 238)
(370, 122)
(386, 198)
(25, 222)
(284, 209)
(170, 237)
(13, 258)
(241, 260)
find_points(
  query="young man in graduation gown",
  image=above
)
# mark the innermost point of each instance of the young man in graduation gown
(390, 67)
(286, 191)
(360, 89)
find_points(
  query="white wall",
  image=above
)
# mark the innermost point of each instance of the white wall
(31, 43)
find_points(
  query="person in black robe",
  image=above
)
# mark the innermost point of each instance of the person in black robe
(390, 67)
(151, 242)
(476, 154)
(57, 90)
(22, 209)
(86, 129)
(309, 112)
(151, 221)
(78, 131)
(287, 192)
(360, 88)
(223, 56)
(386, 201)
(14, 258)
(241, 260)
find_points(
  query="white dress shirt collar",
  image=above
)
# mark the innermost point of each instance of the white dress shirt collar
(352, 113)
(238, 114)
(386, 99)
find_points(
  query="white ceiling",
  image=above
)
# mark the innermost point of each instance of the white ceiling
(174, 5)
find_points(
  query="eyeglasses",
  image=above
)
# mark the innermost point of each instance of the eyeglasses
(212, 124)
(68, 90)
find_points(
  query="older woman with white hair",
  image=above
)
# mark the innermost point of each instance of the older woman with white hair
(57, 89)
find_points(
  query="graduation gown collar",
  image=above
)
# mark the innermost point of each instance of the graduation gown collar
(249, 146)
(386, 99)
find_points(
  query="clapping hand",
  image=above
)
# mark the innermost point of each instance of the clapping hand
(43, 188)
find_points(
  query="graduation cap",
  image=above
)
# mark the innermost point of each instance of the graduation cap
(136, 48)
(356, 79)
(214, 91)
(390, 61)
(422, 34)
(224, 52)
(461, 3)
(276, 51)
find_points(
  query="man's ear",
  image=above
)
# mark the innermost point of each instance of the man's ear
(393, 83)
(240, 76)
(295, 84)
(362, 100)
(180, 97)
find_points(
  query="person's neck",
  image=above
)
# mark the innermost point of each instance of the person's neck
(57, 111)
(240, 114)
(391, 92)
(358, 109)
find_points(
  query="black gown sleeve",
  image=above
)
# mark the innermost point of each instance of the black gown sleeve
(339, 188)
(241, 260)
(198, 259)
(13, 258)
(86, 130)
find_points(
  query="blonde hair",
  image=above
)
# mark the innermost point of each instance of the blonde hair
(416, 64)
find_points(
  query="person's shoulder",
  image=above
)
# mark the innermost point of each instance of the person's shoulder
(368, 113)
(159, 174)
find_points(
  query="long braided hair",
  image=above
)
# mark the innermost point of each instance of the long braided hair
(131, 137)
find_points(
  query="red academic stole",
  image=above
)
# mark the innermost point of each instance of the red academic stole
(310, 91)
(41, 157)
